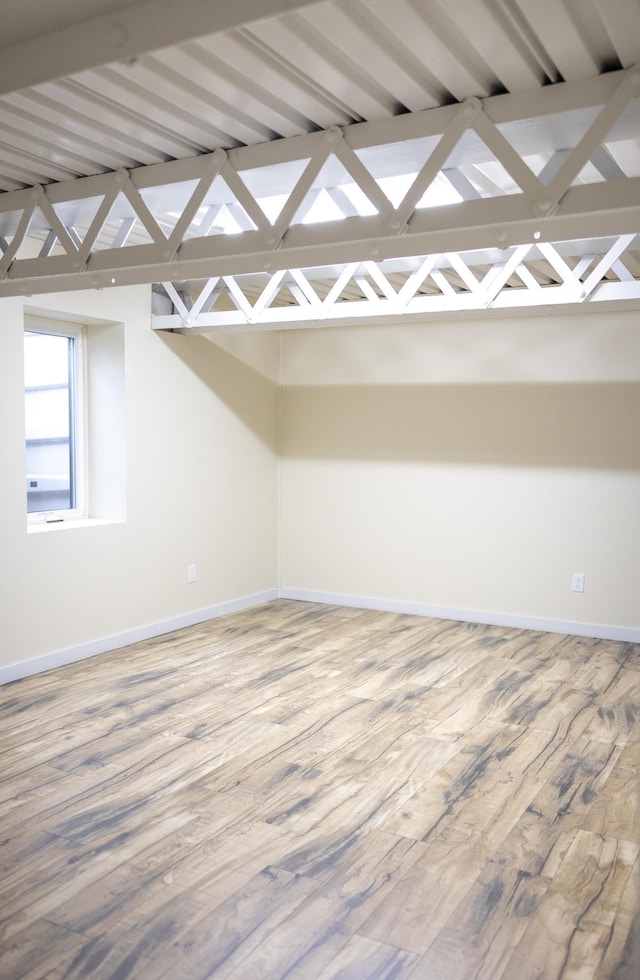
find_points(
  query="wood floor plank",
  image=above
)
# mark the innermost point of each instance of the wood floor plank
(362, 957)
(308, 939)
(480, 937)
(40, 948)
(222, 940)
(616, 811)
(413, 914)
(560, 807)
(205, 868)
(621, 957)
(570, 933)
(314, 792)
(69, 881)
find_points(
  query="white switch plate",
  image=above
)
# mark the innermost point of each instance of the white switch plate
(191, 573)
(577, 582)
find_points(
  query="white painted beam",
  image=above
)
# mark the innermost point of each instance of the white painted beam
(608, 296)
(586, 211)
(124, 34)
(427, 290)
(610, 207)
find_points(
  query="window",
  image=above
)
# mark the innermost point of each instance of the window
(54, 368)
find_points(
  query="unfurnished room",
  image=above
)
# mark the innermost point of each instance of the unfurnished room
(320, 490)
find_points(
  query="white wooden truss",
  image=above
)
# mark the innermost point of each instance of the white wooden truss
(537, 274)
(517, 173)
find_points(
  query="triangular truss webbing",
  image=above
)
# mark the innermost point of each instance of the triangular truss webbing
(536, 274)
(368, 192)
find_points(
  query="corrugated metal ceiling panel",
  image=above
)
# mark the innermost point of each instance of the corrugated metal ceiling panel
(331, 63)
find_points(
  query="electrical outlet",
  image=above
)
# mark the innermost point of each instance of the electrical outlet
(191, 573)
(577, 582)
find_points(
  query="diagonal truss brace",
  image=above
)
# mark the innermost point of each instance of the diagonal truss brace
(134, 236)
(441, 283)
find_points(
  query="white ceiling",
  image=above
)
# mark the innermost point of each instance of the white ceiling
(325, 64)
(96, 87)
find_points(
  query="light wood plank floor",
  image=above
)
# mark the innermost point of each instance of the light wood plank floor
(306, 791)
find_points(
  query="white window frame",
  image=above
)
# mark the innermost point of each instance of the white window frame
(77, 332)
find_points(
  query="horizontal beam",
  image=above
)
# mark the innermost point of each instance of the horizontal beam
(123, 34)
(609, 297)
(540, 275)
(591, 210)
(176, 208)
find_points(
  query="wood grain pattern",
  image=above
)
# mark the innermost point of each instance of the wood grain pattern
(308, 792)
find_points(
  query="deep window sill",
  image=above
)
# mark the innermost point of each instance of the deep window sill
(42, 527)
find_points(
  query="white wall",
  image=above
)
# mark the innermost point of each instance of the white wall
(468, 466)
(200, 450)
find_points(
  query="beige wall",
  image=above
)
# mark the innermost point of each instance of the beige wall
(200, 450)
(472, 466)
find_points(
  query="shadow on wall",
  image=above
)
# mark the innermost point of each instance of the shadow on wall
(574, 425)
(248, 394)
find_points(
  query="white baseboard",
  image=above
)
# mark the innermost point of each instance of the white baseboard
(59, 658)
(596, 630)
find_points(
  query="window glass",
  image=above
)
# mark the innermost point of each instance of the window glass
(51, 421)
